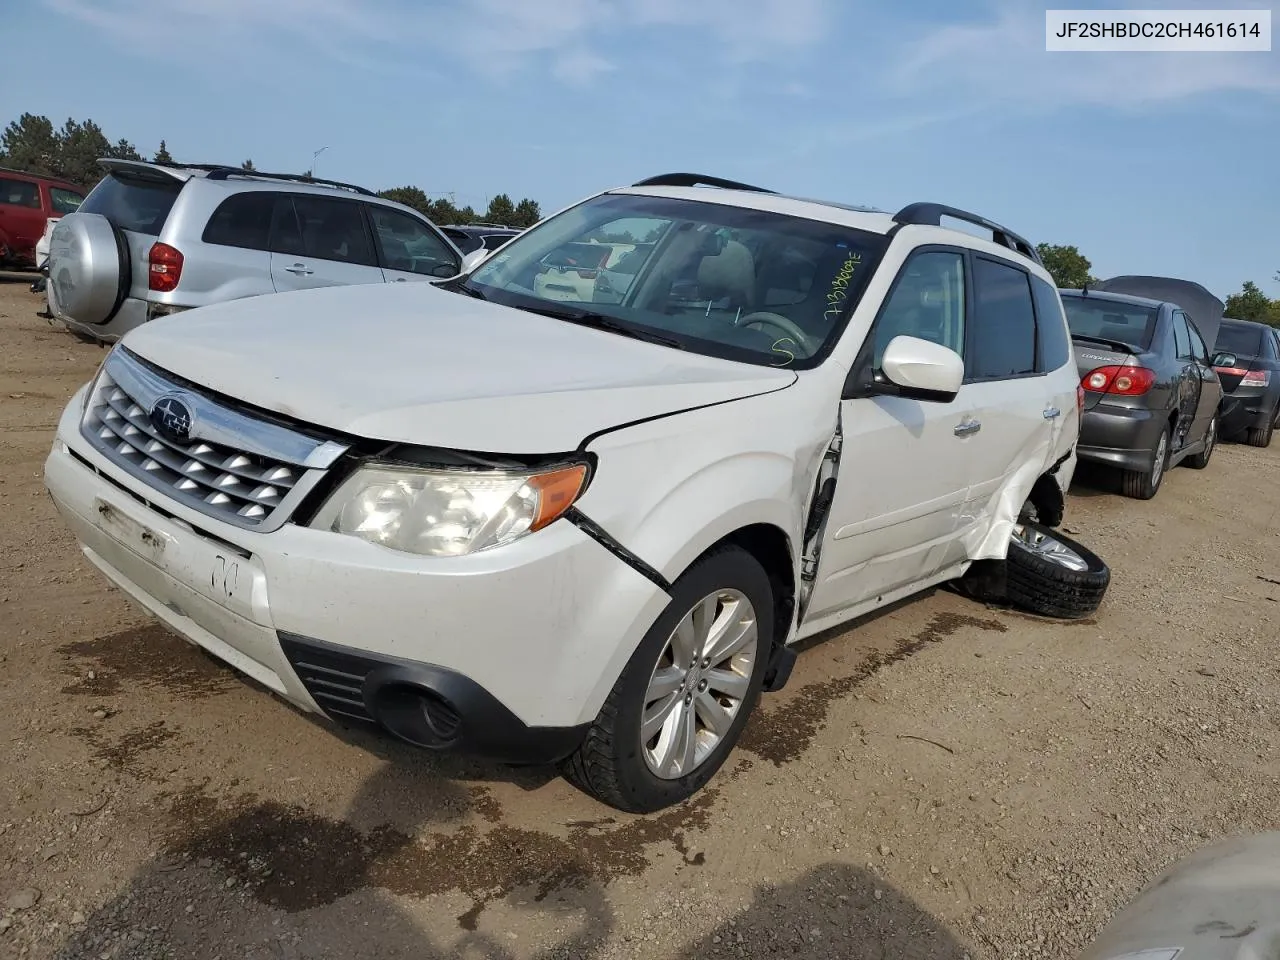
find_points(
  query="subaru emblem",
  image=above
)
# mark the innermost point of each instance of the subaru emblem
(172, 418)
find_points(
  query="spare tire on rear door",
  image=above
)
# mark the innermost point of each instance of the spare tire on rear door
(89, 268)
(1052, 575)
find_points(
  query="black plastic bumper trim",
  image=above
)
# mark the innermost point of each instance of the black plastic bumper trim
(429, 706)
(602, 537)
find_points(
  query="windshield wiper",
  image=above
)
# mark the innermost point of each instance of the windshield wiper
(1114, 344)
(459, 285)
(601, 321)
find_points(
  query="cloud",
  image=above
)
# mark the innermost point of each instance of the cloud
(1003, 61)
(494, 38)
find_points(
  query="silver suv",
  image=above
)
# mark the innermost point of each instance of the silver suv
(153, 239)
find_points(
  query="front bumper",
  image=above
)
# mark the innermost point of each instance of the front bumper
(1122, 437)
(521, 643)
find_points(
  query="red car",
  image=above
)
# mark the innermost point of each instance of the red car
(27, 201)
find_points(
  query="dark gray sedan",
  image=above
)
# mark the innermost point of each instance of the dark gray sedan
(1151, 395)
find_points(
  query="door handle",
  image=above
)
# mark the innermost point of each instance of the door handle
(967, 428)
(301, 269)
(1052, 413)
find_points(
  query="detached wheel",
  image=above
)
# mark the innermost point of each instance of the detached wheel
(1201, 459)
(682, 700)
(1053, 575)
(1143, 484)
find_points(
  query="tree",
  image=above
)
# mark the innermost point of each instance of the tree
(1067, 265)
(29, 143)
(162, 155)
(527, 213)
(501, 210)
(410, 197)
(1252, 304)
(248, 165)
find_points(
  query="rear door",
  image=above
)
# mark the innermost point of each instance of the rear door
(1012, 401)
(137, 201)
(1189, 385)
(1210, 389)
(408, 249)
(21, 216)
(321, 241)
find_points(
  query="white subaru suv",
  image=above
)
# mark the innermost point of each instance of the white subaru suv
(548, 531)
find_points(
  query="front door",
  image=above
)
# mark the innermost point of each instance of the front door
(408, 249)
(905, 467)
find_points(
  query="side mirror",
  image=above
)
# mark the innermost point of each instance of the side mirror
(472, 260)
(1223, 360)
(921, 370)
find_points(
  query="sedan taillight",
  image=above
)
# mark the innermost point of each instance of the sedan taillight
(1124, 381)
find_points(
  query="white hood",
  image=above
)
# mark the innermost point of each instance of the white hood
(410, 363)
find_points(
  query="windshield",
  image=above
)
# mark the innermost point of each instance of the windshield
(1240, 338)
(1104, 319)
(723, 281)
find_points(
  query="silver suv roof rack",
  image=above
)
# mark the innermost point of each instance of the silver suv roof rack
(931, 214)
(221, 171)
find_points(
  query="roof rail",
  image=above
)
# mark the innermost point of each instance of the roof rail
(497, 226)
(223, 173)
(697, 180)
(931, 214)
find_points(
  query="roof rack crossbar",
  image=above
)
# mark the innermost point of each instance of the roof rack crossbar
(222, 173)
(697, 180)
(931, 214)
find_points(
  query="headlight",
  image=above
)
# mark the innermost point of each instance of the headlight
(448, 513)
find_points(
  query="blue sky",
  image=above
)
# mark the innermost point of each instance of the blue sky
(1150, 163)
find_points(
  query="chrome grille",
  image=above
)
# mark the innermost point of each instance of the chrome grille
(232, 466)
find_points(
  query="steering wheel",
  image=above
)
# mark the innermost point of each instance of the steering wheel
(778, 322)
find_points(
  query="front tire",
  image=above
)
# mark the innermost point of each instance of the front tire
(683, 698)
(1052, 575)
(1143, 484)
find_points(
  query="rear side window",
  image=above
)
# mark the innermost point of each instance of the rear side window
(242, 220)
(19, 193)
(1051, 327)
(65, 201)
(332, 230)
(1181, 335)
(132, 203)
(1003, 337)
(464, 241)
(494, 240)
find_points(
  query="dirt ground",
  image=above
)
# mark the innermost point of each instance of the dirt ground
(940, 781)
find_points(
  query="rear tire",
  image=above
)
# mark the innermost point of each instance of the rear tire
(1201, 459)
(615, 764)
(1261, 436)
(1041, 584)
(1144, 484)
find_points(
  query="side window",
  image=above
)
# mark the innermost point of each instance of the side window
(65, 201)
(493, 241)
(1197, 343)
(242, 220)
(1054, 347)
(464, 241)
(286, 235)
(1003, 340)
(408, 244)
(333, 230)
(19, 193)
(1181, 336)
(927, 301)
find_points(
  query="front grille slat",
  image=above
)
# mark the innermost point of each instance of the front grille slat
(243, 486)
